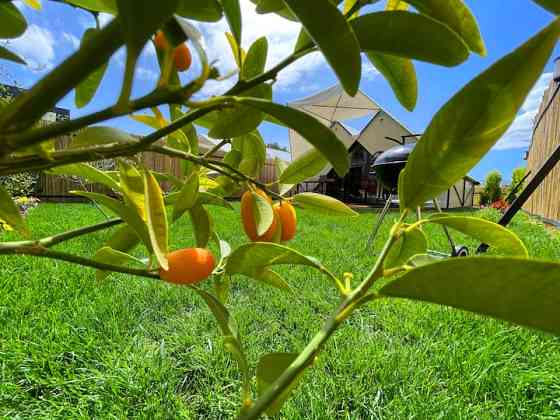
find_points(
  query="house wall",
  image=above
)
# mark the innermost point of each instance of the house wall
(460, 195)
(382, 125)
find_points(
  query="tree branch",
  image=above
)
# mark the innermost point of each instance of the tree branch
(56, 239)
(16, 248)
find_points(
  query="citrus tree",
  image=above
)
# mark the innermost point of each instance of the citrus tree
(513, 288)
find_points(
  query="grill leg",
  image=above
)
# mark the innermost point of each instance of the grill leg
(379, 222)
(445, 230)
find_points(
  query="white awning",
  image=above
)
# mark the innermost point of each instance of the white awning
(328, 106)
(334, 104)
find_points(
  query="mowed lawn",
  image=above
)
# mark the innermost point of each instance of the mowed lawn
(130, 347)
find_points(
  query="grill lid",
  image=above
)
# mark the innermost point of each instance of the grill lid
(390, 163)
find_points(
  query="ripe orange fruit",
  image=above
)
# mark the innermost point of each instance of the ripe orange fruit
(287, 214)
(248, 218)
(182, 57)
(161, 41)
(188, 266)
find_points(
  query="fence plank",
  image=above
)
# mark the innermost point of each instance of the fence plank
(57, 187)
(545, 201)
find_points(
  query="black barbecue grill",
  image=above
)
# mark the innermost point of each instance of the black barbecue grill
(387, 168)
(390, 163)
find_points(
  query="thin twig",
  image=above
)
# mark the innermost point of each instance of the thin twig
(39, 251)
(56, 239)
(214, 149)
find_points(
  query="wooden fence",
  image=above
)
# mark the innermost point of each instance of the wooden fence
(545, 201)
(56, 188)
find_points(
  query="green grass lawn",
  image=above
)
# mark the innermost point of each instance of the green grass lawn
(131, 347)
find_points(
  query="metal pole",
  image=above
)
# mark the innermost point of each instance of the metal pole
(380, 219)
(449, 238)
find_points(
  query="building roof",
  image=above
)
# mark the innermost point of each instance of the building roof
(10, 91)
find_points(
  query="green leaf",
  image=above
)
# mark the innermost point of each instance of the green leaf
(9, 213)
(280, 168)
(202, 225)
(347, 6)
(156, 219)
(303, 40)
(232, 11)
(396, 5)
(269, 368)
(485, 231)
(232, 338)
(85, 91)
(400, 74)
(178, 139)
(132, 184)
(264, 215)
(521, 291)
(105, 6)
(252, 258)
(410, 35)
(12, 22)
(338, 43)
(222, 287)
(35, 4)
(202, 10)
(124, 239)
(422, 259)
(204, 198)
(97, 135)
(323, 204)
(90, 173)
(306, 166)
(125, 212)
(272, 278)
(320, 136)
(187, 197)
(252, 152)
(552, 6)
(255, 61)
(274, 6)
(6, 54)
(467, 126)
(112, 256)
(210, 199)
(410, 243)
(139, 20)
(239, 119)
(268, 6)
(456, 15)
(236, 50)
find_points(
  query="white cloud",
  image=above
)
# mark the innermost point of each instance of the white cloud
(105, 18)
(281, 34)
(369, 72)
(519, 134)
(71, 39)
(36, 46)
(145, 74)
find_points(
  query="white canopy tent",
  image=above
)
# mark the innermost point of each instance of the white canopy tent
(330, 106)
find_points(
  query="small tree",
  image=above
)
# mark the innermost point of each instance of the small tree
(493, 187)
(516, 177)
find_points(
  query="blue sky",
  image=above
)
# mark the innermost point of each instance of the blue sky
(55, 31)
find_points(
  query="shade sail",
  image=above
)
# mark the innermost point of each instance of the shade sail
(328, 106)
